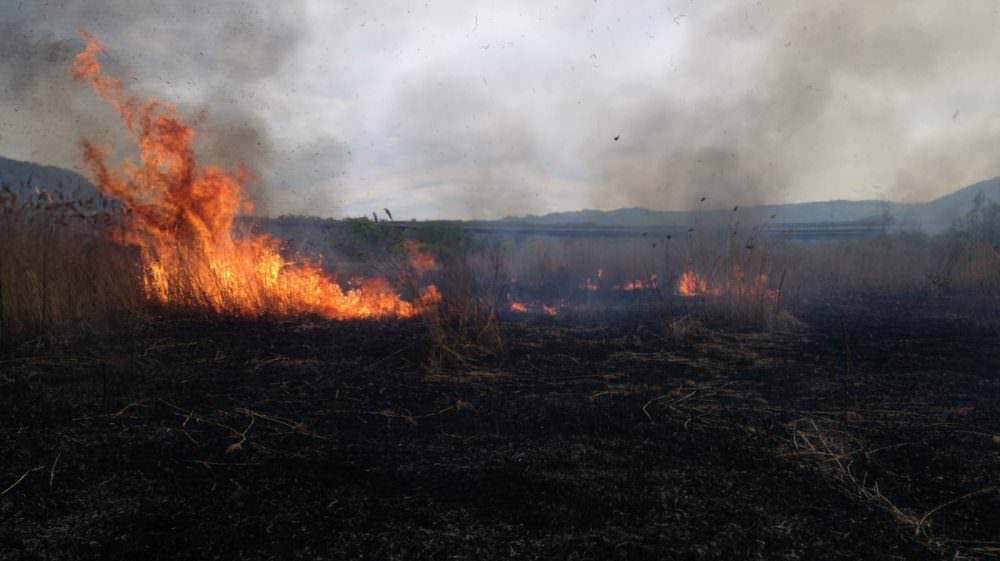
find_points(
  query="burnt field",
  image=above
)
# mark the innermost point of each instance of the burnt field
(182, 379)
(869, 430)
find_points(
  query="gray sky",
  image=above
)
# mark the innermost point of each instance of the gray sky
(484, 109)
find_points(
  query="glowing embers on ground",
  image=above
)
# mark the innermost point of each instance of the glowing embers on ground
(522, 307)
(735, 284)
(596, 283)
(593, 284)
(183, 216)
(641, 284)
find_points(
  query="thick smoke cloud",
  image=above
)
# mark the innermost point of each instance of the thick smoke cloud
(753, 102)
(211, 59)
(474, 109)
(784, 96)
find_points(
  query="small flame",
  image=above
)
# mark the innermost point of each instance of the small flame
(639, 284)
(420, 261)
(521, 307)
(183, 216)
(692, 284)
(593, 285)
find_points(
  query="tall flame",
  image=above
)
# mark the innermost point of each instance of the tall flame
(183, 216)
(692, 284)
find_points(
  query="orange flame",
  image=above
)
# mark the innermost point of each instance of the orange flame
(183, 216)
(639, 284)
(420, 261)
(593, 285)
(521, 307)
(693, 284)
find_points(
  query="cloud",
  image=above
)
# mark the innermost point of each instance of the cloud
(207, 58)
(476, 109)
(793, 101)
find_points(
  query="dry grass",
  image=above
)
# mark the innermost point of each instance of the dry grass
(685, 327)
(60, 276)
(465, 325)
(835, 451)
(756, 279)
(737, 263)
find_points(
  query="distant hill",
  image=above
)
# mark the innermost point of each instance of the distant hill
(21, 176)
(942, 212)
(829, 211)
(932, 216)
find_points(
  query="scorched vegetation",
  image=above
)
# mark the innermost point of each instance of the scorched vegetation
(180, 379)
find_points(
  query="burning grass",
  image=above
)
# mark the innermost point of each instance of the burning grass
(183, 223)
(181, 245)
(671, 427)
(739, 273)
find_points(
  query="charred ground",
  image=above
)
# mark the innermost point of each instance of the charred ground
(867, 433)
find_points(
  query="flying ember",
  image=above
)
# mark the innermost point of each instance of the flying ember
(183, 216)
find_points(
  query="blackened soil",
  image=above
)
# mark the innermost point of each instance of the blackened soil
(607, 436)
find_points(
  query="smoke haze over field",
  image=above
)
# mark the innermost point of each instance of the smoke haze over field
(209, 59)
(467, 109)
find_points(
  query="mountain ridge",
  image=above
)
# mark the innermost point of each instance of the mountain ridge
(932, 216)
(22, 175)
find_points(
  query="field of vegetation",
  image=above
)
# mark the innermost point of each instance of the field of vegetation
(723, 395)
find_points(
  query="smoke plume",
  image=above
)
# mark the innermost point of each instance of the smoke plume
(211, 59)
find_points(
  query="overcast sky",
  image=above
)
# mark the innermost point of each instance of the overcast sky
(484, 109)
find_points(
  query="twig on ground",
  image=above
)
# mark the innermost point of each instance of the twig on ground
(52, 471)
(189, 437)
(372, 366)
(188, 415)
(20, 479)
(243, 435)
(645, 408)
(208, 463)
(390, 414)
(122, 411)
(296, 426)
(923, 519)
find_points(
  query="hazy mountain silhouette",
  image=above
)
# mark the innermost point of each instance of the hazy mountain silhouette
(932, 216)
(26, 176)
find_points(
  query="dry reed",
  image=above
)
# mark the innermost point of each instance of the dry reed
(60, 275)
